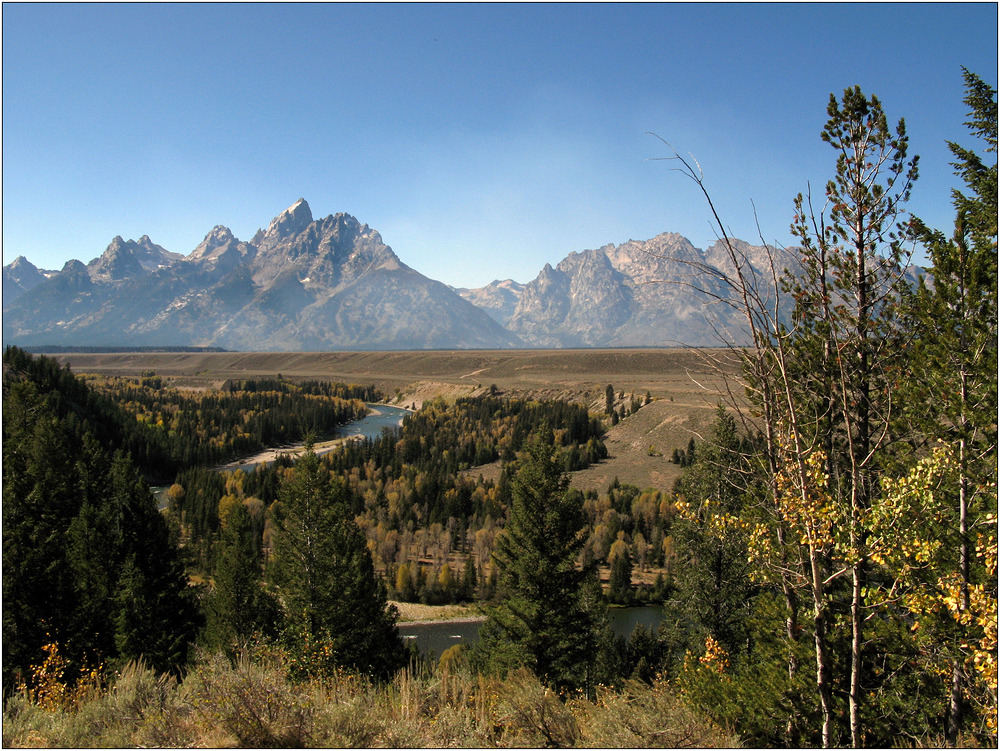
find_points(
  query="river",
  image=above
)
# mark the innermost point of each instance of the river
(435, 638)
(380, 417)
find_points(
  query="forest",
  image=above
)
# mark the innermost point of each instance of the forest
(827, 563)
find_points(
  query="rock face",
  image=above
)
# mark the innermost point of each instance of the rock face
(652, 293)
(301, 284)
(126, 260)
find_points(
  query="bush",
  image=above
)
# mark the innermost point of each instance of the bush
(533, 715)
(641, 716)
(254, 702)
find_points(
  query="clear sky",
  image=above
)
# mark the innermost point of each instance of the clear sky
(482, 141)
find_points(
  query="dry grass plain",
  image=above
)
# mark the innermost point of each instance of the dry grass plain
(686, 384)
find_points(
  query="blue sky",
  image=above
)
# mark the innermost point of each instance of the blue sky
(482, 141)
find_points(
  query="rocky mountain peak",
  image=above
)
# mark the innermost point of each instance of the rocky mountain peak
(74, 269)
(221, 251)
(291, 221)
(116, 263)
(19, 276)
(21, 264)
(498, 298)
(219, 236)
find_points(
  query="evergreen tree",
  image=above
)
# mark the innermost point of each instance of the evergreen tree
(951, 392)
(713, 587)
(834, 370)
(470, 581)
(238, 606)
(39, 502)
(620, 581)
(152, 592)
(336, 610)
(88, 562)
(541, 620)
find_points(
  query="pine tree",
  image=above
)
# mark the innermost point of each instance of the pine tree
(951, 386)
(839, 359)
(470, 581)
(714, 591)
(336, 610)
(88, 561)
(238, 606)
(541, 621)
(156, 618)
(620, 581)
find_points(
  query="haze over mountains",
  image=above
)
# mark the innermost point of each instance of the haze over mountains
(332, 284)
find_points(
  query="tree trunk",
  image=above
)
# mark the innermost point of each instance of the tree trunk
(819, 630)
(957, 683)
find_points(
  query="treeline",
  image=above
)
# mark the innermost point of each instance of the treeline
(89, 567)
(166, 430)
(176, 429)
(50, 349)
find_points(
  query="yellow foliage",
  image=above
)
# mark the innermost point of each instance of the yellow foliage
(50, 688)
(715, 658)
(227, 503)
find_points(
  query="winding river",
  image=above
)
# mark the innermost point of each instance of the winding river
(379, 417)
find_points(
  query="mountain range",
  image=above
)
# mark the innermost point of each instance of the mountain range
(333, 284)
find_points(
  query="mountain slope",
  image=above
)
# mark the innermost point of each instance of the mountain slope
(498, 298)
(637, 294)
(332, 284)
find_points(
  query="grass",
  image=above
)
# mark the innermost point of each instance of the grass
(250, 703)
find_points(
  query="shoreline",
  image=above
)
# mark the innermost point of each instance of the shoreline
(417, 613)
(443, 621)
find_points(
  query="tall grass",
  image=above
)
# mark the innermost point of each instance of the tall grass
(249, 702)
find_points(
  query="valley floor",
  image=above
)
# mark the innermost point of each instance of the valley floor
(686, 385)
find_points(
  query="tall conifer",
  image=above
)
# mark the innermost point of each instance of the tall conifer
(336, 609)
(542, 621)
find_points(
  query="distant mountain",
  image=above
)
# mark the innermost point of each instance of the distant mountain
(648, 293)
(332, 284)
(301, 284)
(129, 259)
(19, 276)
(498, 299)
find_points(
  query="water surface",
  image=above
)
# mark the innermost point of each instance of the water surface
(437, 637)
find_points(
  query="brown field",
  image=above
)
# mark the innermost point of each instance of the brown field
(686, 384)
